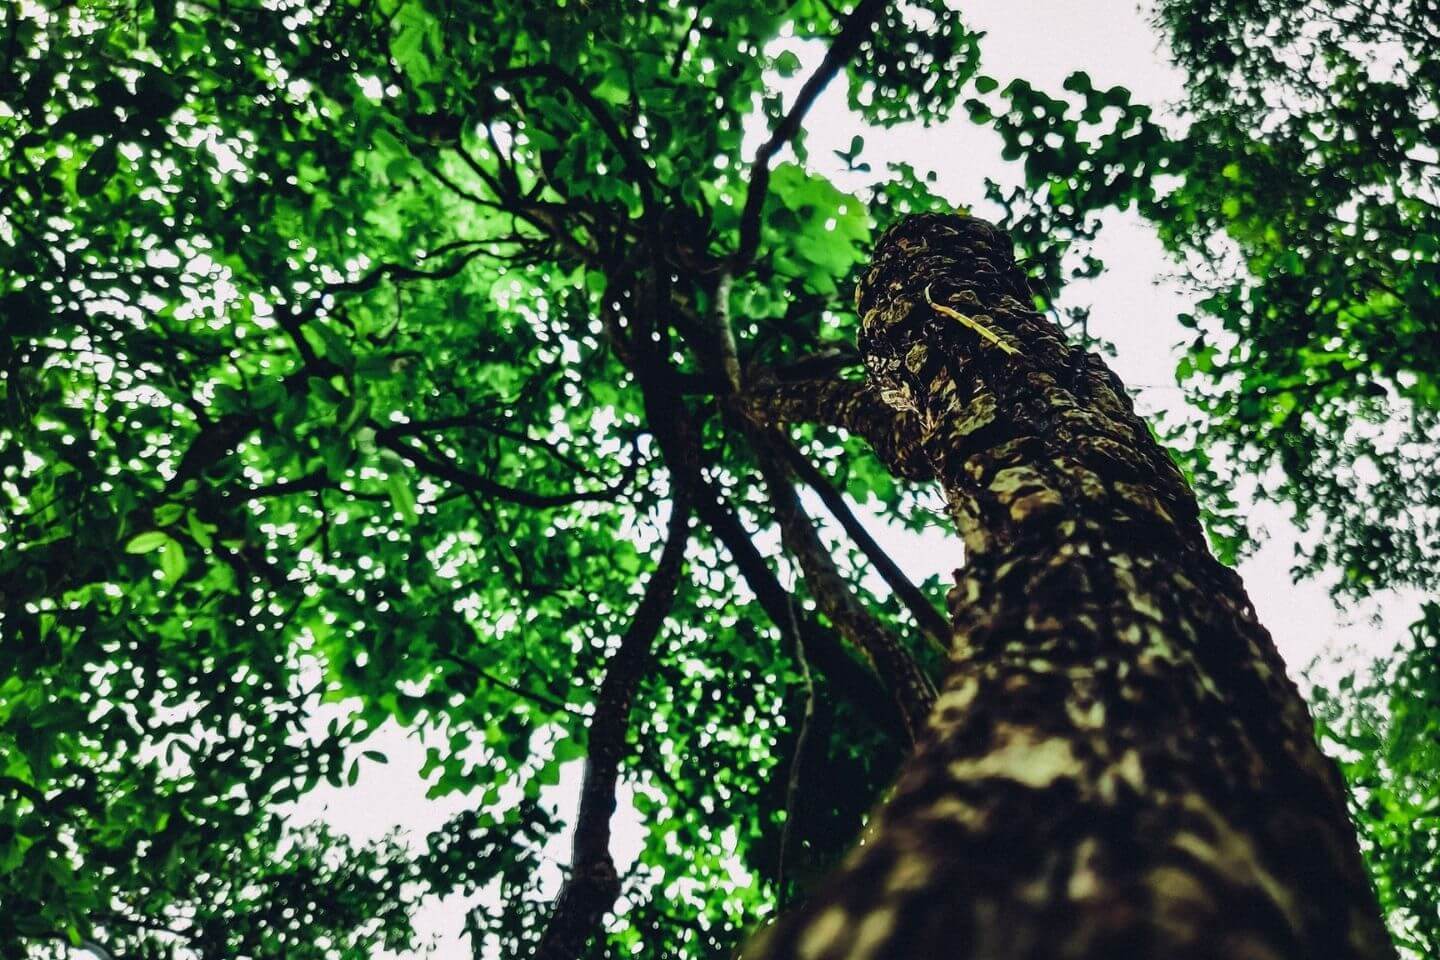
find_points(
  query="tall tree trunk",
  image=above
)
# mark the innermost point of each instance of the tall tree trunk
(1118, 765)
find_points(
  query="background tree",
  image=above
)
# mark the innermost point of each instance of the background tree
(363, 351)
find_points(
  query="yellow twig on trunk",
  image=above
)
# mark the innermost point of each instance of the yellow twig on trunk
(985, 332)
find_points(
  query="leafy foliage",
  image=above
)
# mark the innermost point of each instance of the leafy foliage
(310, 399)
(1385, 728)
(325, 338)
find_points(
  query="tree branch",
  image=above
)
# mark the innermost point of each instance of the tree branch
(851, 405)
(792, 783)
(310, 483)
(908, 683)
(593, 885)
(445, 469)
(930, 620)
(678, 438)
(540, 699)
(478, 422)
(856, 28)
(402, 272)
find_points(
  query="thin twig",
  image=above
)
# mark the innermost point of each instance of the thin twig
(856, 29)
(792, 786)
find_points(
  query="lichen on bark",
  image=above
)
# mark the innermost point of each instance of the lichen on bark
(1117, 765)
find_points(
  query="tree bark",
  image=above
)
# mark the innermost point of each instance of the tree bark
(849, 404)
(1118, 765)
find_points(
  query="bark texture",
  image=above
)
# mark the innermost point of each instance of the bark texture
(850, 405)
(1117, 765)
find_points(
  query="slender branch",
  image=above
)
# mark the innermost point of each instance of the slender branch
(912, 689)
(678, 438)
(310, 483)
(593, 885)
(725, 332)
(544, 700)
(475, 421)
(402, 272)
(678, 58)
(792, 783)
(464, 193)
(929, 619)
(851, 679)
(541, 216)
(828, 362)
(855, 30)
(445, 469)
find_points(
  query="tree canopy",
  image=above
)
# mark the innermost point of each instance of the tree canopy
(368, 351)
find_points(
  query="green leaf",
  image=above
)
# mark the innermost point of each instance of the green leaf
(787, 64)
(200, 531)
(97, 170)
(173, 562)
(147, 542)
(401, 496)
(168, 513)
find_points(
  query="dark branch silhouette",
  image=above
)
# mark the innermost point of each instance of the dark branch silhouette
(593, 885)
(930, 620)
(857, 27)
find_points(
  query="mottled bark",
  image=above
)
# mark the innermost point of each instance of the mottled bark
(1118, 765)
(593, 885)
(852, 406)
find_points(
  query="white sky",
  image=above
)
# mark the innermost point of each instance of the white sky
(1042, 41)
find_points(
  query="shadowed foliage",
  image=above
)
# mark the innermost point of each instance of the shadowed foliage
(460, 366)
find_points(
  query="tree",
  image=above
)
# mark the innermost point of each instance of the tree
(1300, 193)
(1119, 765)
(447, 360)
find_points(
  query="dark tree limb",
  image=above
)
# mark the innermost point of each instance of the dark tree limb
(797, 758)
(907, 682)
(678, 437)
(930, 620)
(855, 30)
(679, 443)
(478, 421)
(479, 673)
(851, 680)
(593, 885)
(443, 468)
(315, 482)
(400, 271)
